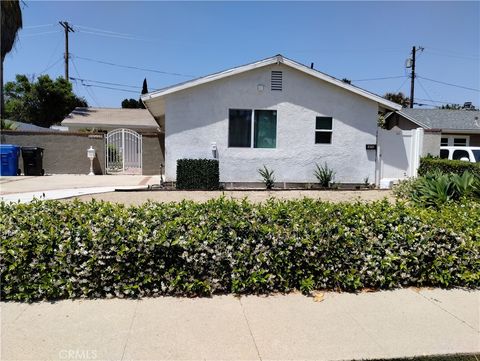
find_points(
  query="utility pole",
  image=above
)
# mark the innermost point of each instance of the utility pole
(68, 29)
(412, 81)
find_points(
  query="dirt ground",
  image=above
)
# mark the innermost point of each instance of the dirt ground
(135, 198)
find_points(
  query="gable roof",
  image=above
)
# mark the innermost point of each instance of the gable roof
(277, 59)
(110, 118)
(443, 118)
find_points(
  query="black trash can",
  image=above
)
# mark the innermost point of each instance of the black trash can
(32, 160)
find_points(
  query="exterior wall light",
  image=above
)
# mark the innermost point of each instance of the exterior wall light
(91, 155)
(260, 87)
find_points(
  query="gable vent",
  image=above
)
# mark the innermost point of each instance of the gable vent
(276, 80)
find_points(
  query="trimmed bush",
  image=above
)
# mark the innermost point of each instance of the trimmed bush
(430, 164)
(55, 250)
(198, 174)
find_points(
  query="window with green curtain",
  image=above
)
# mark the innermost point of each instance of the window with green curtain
(265, 129)
(239, 127)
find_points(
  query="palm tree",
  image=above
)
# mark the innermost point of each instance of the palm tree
(11, 15)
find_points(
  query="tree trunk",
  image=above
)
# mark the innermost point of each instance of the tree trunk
(2, 104)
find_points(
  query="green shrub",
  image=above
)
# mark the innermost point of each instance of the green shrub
(267, 177)
(55, 250)
(404, 189)
(198, 174)
(324, 175)
(430, 164)
(436, 188)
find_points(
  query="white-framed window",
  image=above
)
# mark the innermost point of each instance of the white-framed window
(455, 140)
(248, 128)
(323, 130)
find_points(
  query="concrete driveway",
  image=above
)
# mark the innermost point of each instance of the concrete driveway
(24, 189)
(21, 184)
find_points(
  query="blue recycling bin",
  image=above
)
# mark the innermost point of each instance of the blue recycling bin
(9, 155)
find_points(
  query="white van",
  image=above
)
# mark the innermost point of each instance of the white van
(468, 154)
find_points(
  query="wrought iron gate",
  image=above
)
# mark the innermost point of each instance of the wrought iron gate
(123, 152)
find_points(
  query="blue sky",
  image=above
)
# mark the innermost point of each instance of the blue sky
(356, 40)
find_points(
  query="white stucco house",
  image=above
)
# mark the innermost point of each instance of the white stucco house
(274, 112)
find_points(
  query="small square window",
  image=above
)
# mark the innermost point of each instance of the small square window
(323, 137)
(324, 123)
(323, 130)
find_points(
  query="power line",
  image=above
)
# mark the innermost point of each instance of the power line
(387, 77)
(454, 56)
(102, 30)
(401, 86)
(110, 35)
(43, 33)
(54, 52)
(107, 83)
(51, 66)
(134, 67)
(425, 90)
(452, 53)
(445, 83)
(38, 26)
(436, 101)
(88, 90)
(106, 87)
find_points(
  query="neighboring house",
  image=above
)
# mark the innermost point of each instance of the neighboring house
(458, 127)
(27, 127)
(274, 112)
(108, 119)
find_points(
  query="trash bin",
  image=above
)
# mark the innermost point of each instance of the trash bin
(32, 160)
(9, 155)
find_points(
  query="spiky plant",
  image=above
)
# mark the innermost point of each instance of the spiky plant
(268, 177)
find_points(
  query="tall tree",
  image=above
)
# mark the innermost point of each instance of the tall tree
(43, 103)
(11, 18)
(144, 91)
(136, 104)
(144, 86)
(398, 98)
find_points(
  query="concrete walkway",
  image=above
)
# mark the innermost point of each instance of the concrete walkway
(400, 323)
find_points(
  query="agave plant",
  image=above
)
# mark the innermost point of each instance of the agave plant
(267, 176)
(434, 189)
(324, 175)
(464, 184)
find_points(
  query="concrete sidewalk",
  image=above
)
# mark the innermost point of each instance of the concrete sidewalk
(344, 326)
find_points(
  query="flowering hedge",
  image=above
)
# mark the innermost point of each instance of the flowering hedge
(53, 250)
